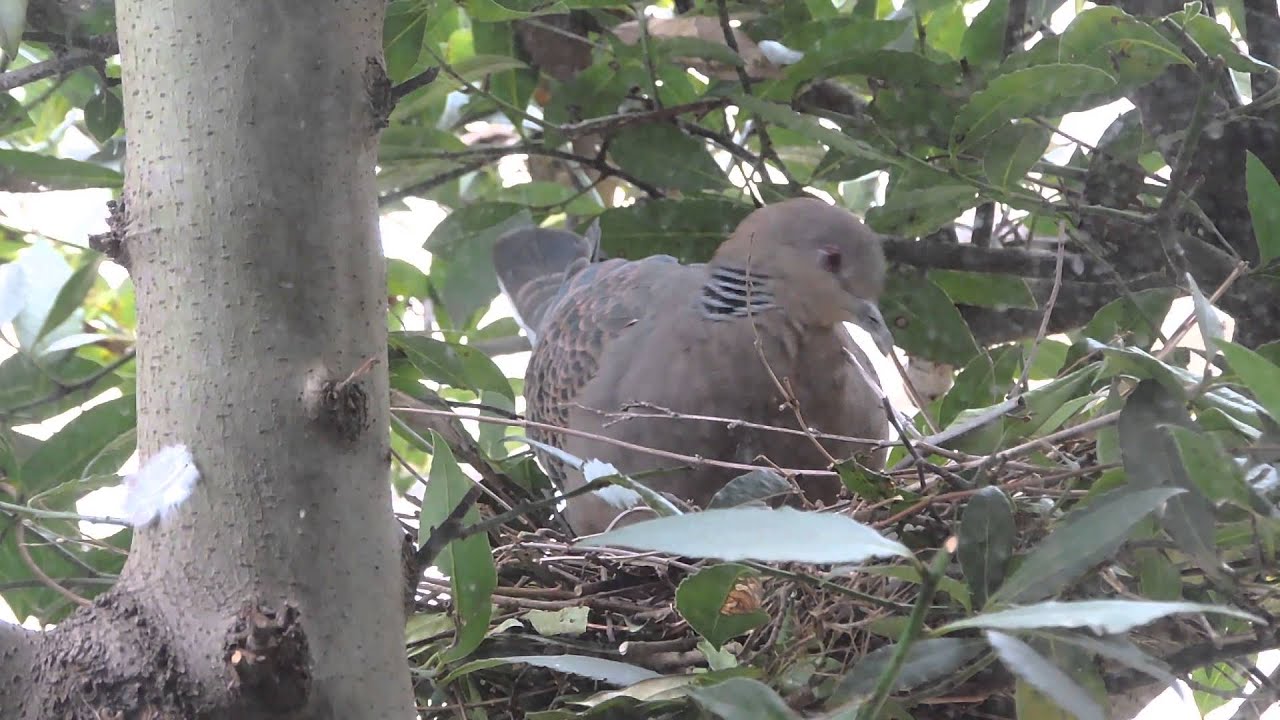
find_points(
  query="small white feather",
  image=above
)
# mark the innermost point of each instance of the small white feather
(160, 485)
(780, 54)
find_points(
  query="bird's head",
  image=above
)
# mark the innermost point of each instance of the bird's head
(823, 264)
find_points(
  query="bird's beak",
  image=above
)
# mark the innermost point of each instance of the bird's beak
(866, 315)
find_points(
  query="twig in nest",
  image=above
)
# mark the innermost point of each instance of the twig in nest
(1048, 310)
(691, 459)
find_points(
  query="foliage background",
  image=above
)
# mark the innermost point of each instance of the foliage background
(914, 115)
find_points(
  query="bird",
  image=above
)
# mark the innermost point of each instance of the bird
(627, 349)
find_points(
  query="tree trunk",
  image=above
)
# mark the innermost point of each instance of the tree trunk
(252, 238)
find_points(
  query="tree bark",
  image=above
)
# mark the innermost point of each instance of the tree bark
(274, 590)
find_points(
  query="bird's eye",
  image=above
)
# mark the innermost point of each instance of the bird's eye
(830, 259)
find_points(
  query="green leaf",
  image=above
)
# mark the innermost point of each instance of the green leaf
(609, 671)
(1033, 668)
(1050, 90)
(1151, 460)
(13, 116)
(920, 211)
(1139, 317)
(1208, 466)
(72, 294)
(702, 598)
(809, 127)
(33, 172)
(13, 291)
(415, 142)
(864, 482)
(97, 440)
(1216, 40)
(1103, 617)
(983, 44)
(460, 366)
(755, 486)
(688, 47)
(468, 562)
(512, 86)
(13, 21)
(103, 114)
(552, 196)
(1159, 577)
(1264, 207)
(925, 321)
(664, 156)
(45, 271)
(984, 382)
(565, 621)
(1118, 649)
(744, 699)
(783, 535)
(405, 280)
(462, 263)
(426, 625)
(1013, 151)
(37, 384)
(1262, 378)
(403, 31)
(689, 230)
(1083, 539)
(1136, 363)
(1128, 48)
(928, 661)
(986, 535)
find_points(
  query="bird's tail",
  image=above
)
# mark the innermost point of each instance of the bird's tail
(531, 264)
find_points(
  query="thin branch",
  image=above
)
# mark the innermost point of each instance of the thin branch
(762, 130)
(19, 540)
(421, 80)
(105, 45)
(65, 389)
(482, 156)
(73, 60)
(1048, 311)
(687, 459)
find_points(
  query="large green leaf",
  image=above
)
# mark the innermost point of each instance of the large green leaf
(34, 172)
(664, 156)
(1264, 207)
(755, 533)
(462, 257)
(1052, 89)
(1047, 679)
(744, 699)
(925, 321)
(701, 600)
(97, 440)
(987, 532)
(1104, 617)
(1151, 460)
(1081, 540)
(1111, 40)
(927, 661)
(457, 365)
(689, 230)
(468, 562)
(1261, 377)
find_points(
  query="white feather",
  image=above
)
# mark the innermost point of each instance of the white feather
(780, 54)
(160, 485)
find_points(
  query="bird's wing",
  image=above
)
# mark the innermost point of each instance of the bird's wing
(532, 265)
(596, 305)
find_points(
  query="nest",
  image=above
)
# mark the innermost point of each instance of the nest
(820, 621)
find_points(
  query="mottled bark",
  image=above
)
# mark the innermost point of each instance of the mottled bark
(251, 229)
